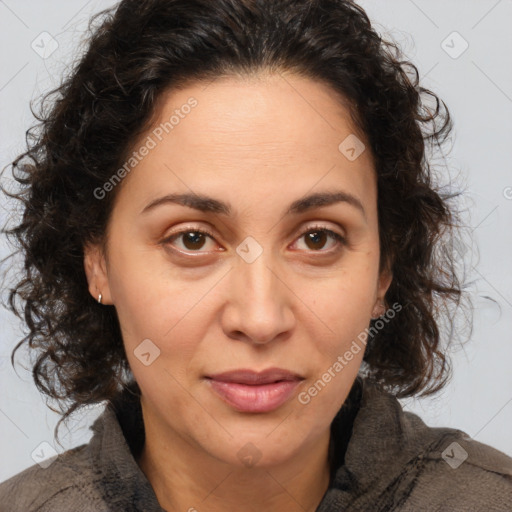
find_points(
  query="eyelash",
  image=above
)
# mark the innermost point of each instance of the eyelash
(316, 228)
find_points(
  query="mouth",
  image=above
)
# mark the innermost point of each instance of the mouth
(251, 377)
(255, 392)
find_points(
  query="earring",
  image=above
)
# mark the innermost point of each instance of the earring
(381, 308)
(99, 298)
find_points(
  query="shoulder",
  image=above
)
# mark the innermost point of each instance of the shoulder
(450, 471)
(458, 473)
(402, 464)
(66, 484)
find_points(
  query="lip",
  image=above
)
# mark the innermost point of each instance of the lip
(252, 377)
(256, 392)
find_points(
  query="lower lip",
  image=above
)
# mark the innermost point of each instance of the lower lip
(262, 398)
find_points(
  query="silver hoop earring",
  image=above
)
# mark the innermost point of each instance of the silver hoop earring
(99, 298)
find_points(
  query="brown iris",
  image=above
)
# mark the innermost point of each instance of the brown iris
(193, 240)
(315, 238)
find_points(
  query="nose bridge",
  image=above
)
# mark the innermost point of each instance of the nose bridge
(253, 269)
(259, 301)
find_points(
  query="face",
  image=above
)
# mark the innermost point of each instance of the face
(257, 277)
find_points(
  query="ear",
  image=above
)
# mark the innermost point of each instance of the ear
(384, 282)
(95, 266)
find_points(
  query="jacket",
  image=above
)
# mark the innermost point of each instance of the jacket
(382, 459)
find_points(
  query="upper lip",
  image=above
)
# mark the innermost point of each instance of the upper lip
(251, 377)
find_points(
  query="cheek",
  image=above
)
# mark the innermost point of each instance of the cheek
(344, 298)
(342, 309)
(161, 340)
(163, 309)
(147, 300)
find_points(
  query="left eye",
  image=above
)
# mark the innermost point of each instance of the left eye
(195, 239)
(318, 235)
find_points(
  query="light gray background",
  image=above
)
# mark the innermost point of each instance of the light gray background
(477, 86)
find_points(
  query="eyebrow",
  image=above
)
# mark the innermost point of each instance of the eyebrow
(209, 204)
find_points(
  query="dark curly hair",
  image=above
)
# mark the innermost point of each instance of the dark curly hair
(86, 126)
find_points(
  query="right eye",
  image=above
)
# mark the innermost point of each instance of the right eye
(192, 239)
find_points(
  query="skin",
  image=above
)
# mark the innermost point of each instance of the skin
(258, 144)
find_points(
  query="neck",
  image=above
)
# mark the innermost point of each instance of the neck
(184, 477)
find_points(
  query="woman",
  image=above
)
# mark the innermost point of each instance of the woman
(232, 237)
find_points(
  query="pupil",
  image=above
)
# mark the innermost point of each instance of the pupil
(193, 238)
(315, 237)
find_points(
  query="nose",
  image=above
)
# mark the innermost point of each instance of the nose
(259, 307)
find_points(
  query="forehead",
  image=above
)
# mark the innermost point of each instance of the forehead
(249, 135)
(277, 113)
